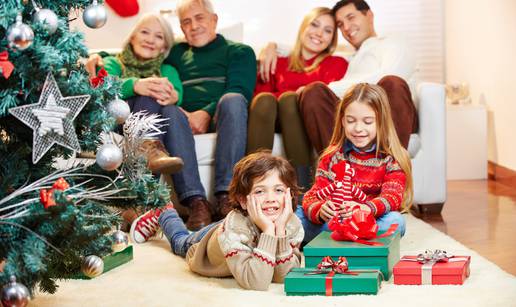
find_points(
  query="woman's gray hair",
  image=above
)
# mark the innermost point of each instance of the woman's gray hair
(184, 4)
(168, 34)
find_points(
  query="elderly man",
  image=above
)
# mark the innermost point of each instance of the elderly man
(218, 79)
(382, 60)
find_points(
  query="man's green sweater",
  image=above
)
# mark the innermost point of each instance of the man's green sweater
(213, 70)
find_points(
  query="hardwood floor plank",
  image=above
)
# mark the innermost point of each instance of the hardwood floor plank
(481, 214)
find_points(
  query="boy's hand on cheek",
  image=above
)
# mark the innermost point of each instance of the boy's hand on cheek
(282, 220)
(257, 217)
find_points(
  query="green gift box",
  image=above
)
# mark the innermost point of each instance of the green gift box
(112, 261)
(298, 282)
(359, 256)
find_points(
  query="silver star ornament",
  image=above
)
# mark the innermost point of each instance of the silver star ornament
(51, 119)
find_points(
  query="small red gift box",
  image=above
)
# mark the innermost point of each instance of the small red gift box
(428, 270)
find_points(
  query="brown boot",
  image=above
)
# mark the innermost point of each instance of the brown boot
(223, 205)
(200, 214)
(158, 159)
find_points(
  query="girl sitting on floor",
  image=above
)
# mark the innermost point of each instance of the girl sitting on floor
(258, 241)
(365, 145)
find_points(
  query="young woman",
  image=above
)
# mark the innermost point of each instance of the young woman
(258, 241)
(275, 103)
(364, 139)
(147, 83)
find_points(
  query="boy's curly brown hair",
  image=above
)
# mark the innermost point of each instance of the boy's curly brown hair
(254, 167)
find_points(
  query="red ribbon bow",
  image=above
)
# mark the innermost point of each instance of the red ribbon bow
(47, 196)
(360, 227)
(99, 79)
(6, 67)
(335, 267)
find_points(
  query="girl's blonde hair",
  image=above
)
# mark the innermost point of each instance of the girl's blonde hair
(296, 61)
(387, 141)
(168, 35)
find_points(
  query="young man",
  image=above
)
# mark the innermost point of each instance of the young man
(382, 60)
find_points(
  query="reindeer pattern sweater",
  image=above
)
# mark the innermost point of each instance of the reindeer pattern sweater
(380, 178)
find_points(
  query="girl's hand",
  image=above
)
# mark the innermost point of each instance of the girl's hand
(286, 213)
(328, 211)
(300, 90)
(258, 218)
(347, 208)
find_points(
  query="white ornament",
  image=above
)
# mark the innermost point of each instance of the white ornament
(20, 35)
(51, 119)
(109, 157)
(120, 241)
(95, 15)
(119, 109)
(47, 18)
(92, 266)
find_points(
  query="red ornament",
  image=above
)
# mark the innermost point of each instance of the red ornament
(99, 79)
(6, 67)
(46, 197)
(124, 8)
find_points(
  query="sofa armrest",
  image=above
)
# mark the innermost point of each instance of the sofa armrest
(432, 133)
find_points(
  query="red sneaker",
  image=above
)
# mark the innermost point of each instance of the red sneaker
(145, 226)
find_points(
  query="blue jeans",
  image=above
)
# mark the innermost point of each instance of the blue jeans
(179, 237)
(384, 222)
(231, 127)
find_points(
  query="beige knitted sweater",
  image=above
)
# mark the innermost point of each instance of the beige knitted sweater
(237, 248)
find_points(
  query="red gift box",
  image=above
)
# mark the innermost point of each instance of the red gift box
(412, 270)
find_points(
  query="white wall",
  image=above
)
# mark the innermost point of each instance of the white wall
(480, 49)
(420, 21)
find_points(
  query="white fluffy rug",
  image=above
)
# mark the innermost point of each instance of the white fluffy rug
(156, 277)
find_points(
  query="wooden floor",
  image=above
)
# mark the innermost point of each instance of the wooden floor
(481, 214)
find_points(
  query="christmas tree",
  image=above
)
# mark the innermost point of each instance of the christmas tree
(50, 219)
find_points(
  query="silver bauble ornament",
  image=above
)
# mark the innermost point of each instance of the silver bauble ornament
(20, 35)
(14, 294)
(109, 157)
(92, 266)
(119, 109)
(47, 18)
(120, 241)
(95, 15)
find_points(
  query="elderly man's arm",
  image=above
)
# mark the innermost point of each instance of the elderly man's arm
(241, 74)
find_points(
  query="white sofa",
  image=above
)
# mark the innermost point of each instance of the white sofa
(427, 149)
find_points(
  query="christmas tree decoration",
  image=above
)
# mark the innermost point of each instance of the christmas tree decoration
(95, 15)
(20, 35)
(46, 17)
(51, 119)
(47, 196)
(120, 241)
(109, 157)
(14, 294)
(6, 67)
(99, 78)
(92, 266)
(124, 8)
(119, 109)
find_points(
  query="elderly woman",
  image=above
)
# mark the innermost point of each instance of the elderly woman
(147, 83)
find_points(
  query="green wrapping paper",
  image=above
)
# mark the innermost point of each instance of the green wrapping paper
(297, 282)
(359, 256)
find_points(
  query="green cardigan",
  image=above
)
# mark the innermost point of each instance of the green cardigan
(114, 68)
(213, 70)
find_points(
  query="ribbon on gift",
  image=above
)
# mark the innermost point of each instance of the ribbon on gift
(331, 267)
(360, 227)
(99, 79)
(47, 196)
(6, 67)
(430, 257)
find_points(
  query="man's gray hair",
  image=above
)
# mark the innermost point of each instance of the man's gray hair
(184, 4)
